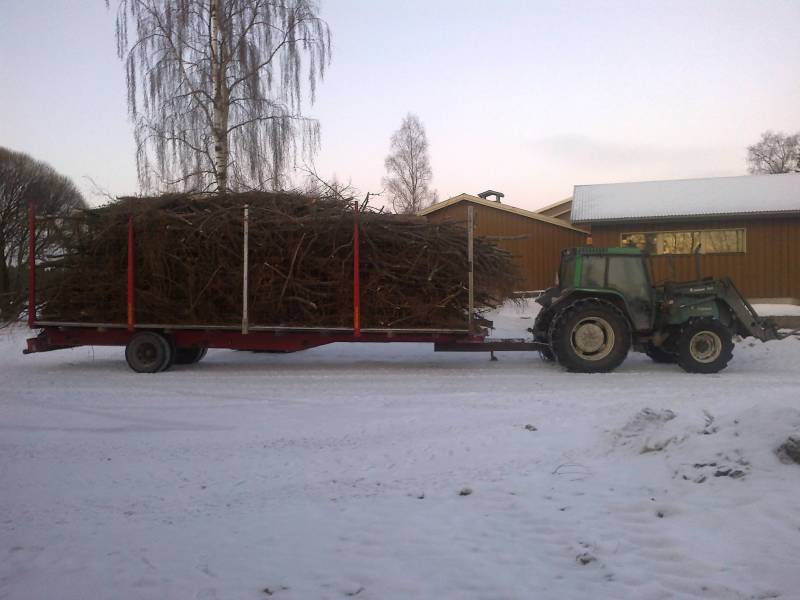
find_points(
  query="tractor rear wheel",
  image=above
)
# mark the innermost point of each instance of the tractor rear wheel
(148, 352)
(591, 336)
(705, 346)
(546, 354)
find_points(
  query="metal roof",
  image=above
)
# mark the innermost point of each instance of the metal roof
(717, 196)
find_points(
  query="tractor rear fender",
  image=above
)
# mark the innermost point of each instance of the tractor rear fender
(568, 297)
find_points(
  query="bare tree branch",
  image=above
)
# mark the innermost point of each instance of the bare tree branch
(774, 153)
(217, 83)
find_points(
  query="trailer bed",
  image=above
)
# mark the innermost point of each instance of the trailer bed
(153, 347)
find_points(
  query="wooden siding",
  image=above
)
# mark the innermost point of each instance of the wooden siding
(537, 245)
(769, 267)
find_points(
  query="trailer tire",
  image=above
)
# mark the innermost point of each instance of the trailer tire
(591, 336)
(148, 352)
(190, 356)
(705, 346)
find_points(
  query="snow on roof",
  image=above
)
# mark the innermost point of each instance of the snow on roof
(753, 194)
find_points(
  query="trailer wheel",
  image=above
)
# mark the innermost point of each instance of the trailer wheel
(148, 352)
(705, 346)
(189, 356)
(591, 337)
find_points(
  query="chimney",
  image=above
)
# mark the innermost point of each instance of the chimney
(486, 195)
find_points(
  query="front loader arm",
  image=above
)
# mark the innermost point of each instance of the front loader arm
(749, 321)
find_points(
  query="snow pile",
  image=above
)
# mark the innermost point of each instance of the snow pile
(388, 471)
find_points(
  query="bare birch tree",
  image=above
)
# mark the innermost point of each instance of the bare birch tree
(22, 180)
(216, 88)
(408, 168)
(774, 153)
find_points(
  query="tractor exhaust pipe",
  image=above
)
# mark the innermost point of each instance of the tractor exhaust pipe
(697, 261)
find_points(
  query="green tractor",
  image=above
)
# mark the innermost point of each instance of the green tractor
(604, 303)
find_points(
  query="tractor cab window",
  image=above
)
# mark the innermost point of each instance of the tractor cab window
(594, 272)
(628, 275)
(566, 274)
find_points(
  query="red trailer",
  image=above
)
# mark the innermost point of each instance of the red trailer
(154, 347)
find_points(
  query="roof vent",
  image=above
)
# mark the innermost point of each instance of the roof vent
(486, 195)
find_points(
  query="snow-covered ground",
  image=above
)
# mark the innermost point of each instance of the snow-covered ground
(338, 473)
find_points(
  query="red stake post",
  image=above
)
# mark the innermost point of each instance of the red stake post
(131, 280)
(31, 264)
(356, 278)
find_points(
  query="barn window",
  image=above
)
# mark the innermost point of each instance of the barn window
(710, 241)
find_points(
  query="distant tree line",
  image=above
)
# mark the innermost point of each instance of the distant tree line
(24, 180)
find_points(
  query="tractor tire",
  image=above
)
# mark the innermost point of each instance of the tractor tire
(705, 346)
(541, 334)
(189, 356)
(659, 355)
(148, 352)
(591, 336)
(547, 355)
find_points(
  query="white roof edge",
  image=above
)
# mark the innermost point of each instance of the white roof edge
(464, 197)
(739, 195)
(749, 177)
(693, 216)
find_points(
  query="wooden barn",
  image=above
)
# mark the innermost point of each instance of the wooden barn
(534, 239)
(746, 227)
(558, 210)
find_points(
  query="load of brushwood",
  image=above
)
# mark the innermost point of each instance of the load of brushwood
(189, 264)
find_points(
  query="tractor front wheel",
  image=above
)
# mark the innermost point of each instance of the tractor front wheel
(705, 346)
(591, 337)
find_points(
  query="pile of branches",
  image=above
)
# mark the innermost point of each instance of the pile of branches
(189, 264)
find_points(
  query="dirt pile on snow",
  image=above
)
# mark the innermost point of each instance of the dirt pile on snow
(789, 451)
(697, 446)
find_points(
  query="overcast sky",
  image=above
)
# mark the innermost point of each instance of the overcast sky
(529, 98)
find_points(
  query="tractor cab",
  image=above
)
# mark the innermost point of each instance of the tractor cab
(620, 274)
